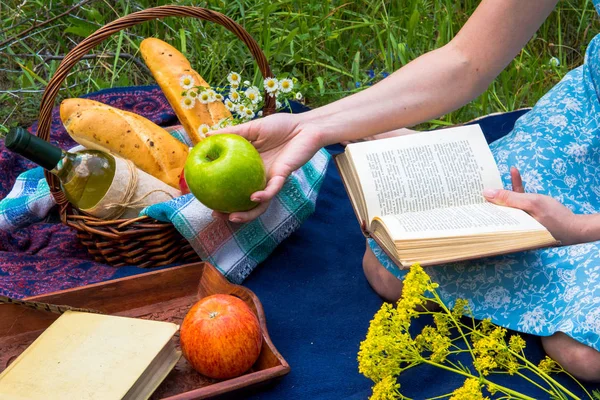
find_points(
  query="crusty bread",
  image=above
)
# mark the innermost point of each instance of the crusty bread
(168, 65)
(151, 148)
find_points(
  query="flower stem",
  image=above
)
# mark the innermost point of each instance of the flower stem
(532, 382)
(499, 387)
(456, 323)
(534, 368)
(579, 383)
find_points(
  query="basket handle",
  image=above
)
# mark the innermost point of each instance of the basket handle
(73, 57)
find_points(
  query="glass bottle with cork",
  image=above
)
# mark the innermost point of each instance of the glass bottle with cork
(93, 181)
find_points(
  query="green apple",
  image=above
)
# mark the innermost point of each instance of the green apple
(222, 171)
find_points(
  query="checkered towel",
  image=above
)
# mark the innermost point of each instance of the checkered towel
(235, 249)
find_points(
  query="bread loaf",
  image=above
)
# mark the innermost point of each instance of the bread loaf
(168, 66)
(151, 148)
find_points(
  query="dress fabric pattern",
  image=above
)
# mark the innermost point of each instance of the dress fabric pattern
(556, 147)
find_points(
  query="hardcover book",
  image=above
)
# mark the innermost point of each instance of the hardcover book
(420, 197)
(93, 356)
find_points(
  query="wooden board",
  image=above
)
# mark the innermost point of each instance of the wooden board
(164, 295)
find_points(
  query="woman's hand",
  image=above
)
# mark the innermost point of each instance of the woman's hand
(284, 145)
(563, 224)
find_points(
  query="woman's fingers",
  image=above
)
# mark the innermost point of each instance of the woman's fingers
(273, 187)
(242, 217)
(263, 197)
(517, 182)
(247, 216)
(528, 202)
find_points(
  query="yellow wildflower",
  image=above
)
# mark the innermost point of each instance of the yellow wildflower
(430, 339)
(492, 352)
(461, 307)
(486, 350)
(492, 388)
(516, 343)
(548, 365)
(470, 390)
(486, 326)
(484, 364)
(387, 347)
(386, 389)
(416, 283)
(441, 323)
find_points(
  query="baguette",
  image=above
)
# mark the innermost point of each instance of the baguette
(168, 66)
(151, 148)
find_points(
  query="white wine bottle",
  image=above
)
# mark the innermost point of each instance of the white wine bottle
(93, 181)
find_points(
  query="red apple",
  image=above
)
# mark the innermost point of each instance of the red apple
(183, 187)
(220, 336)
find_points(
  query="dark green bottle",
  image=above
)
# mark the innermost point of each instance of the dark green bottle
(85, 175)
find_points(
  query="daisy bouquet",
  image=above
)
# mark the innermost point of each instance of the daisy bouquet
(392, 347)
(244, 100)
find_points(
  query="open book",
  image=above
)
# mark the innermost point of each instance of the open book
(420, 197)
(93, 356)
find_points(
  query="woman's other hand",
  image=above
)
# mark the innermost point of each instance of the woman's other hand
(563, 224)
(284, 145)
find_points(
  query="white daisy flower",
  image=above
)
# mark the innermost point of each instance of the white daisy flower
(286, 85)
(193, 94)
(224, 122)
(204, 129)
(271, 85)
(205, 97)
(230, 105)
(218, 97)
(234, 78)
(187, 82)
(298, 96)
(248, 113)
(234, 86)
(188, 102)
(247, 83)
(212, 95)
(234, 96)
(252, 94)
(260, 113)
(240, 108)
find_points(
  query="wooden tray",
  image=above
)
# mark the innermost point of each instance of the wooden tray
(164, 295)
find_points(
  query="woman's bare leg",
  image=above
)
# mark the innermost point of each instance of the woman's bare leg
(581, 361)
(381, 280)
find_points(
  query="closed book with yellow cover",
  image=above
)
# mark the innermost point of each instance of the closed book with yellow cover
(93, 356)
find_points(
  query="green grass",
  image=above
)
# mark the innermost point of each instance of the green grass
(329, 45)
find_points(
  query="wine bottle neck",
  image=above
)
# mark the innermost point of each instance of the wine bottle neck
(64, 167)
(35, 149)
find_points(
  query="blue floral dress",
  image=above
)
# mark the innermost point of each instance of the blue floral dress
(556, 146)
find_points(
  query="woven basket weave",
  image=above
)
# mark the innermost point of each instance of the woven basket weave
(141, 241)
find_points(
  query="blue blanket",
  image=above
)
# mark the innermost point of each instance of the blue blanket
(318, 304)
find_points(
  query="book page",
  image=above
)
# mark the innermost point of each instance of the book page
(425, 171)
(467, 220)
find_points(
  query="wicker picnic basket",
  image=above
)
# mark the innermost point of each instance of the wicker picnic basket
(140, 241)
